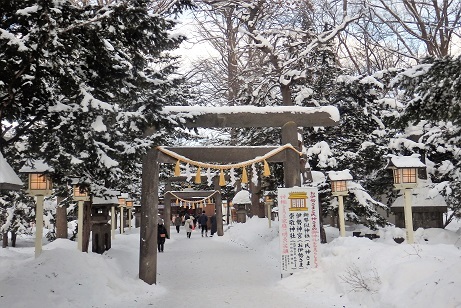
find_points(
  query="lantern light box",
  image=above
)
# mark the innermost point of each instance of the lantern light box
(39, 183)
(405, 170)
(339, 181)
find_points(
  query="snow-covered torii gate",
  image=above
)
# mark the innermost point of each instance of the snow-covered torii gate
(289, 118)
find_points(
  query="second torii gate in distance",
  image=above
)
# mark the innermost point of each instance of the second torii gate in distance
(289, 118)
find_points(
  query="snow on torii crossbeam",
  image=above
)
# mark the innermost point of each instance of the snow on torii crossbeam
(289, 118)
(251, 116)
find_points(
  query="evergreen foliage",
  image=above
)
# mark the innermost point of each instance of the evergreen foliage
(431, 94)
(80, 86)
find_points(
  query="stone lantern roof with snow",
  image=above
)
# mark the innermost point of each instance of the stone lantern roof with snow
(242, 197)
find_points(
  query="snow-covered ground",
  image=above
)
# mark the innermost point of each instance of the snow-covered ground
(239, 269)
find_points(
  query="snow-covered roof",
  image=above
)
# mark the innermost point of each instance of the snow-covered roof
(36, 166)
(412, 161)
(124, 196)
(340, 175)
(425, 194)
(106, 200)
(242, 197)
(110, 198)
(8, 178)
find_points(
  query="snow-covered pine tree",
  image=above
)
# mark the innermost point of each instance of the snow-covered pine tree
(432, 100)
(359, 143)
(15, 216)
(80, 85)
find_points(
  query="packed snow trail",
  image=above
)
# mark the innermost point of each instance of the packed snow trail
(210, 272)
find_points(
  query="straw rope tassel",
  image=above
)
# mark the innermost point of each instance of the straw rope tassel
(222, 181)
(177, 169)
(266, 171)
(244, 175)
(198, 176)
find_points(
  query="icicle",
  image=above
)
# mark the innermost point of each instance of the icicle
(266, 171)
(177, 168)
(222, 181)
(244, 175)
(198, 176)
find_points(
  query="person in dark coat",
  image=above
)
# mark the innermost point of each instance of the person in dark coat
(162, 235)
(214, 225)
(177, 222)
(202, 220)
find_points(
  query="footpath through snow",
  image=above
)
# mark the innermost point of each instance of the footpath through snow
(213, 272)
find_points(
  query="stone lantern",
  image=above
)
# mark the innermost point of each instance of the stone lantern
(269, 202)
(240, 201)
(405, 175)
(81, 194)
(40, 185)
(122, 205)
(101, 229)
(129, 206)
(339, 180)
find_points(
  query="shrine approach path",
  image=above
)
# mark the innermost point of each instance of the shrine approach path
(213, 272)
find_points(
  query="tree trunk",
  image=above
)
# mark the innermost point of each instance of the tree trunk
(5, 239)
(86, 225)
(323, 235)
(255, 193)
(13, 238)
(149, 210)
(61, 219)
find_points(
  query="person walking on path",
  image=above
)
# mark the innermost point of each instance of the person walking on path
(177, 222)
(162, 235)
(214, 224)
(202, 220)
(189, 225)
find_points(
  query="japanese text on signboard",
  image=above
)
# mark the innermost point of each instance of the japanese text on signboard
(298, 228)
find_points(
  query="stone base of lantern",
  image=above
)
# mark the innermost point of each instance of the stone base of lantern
(101, 237)
(241, 213)
(137, 220)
